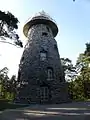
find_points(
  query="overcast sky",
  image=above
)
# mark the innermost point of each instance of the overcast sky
(73, 20)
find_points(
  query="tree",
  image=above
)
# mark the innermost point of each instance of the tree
(80, 87)
(87, 51)
(69, 69)
(8, 25)
(70, 75)
(84, 58)
(3, 81)
(11, 86)
(8, 86)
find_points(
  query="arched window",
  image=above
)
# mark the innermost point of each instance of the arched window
(50, 73)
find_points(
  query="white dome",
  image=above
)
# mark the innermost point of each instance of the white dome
(41, 14)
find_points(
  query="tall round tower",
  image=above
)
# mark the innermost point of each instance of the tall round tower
(40, 72)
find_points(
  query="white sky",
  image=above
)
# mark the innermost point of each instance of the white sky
(9, 54)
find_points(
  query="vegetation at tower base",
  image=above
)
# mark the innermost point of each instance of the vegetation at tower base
(8, 25)
(8, 86)
(69, 69)
(8, 89)
(79, 86)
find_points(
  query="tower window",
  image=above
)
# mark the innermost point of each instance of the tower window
(50, 73)
(47, 28)
(55, 46)
(19, 75)
(22, 58)
(44, 34)
(42, 56)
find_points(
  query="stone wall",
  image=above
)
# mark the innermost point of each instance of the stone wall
(33, 70)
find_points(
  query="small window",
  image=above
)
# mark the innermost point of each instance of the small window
(19, 75)
(50, 73)
(55, 46)
(44, 34)
(22, 58)
(42, 56)
(47, 28)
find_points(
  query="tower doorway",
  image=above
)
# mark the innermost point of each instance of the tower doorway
(44, 94)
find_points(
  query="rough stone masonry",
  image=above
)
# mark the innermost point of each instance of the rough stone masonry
(40, 74)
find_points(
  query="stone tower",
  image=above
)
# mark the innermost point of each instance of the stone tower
(40, 72)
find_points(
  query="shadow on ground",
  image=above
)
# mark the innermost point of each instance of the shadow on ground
(68, 111)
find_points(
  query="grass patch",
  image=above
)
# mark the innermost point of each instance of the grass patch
(4, 104)
(87, 100)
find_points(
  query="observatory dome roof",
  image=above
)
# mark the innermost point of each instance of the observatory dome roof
(43, 15)
(40, 17)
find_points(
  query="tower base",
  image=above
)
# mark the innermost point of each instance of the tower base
(43, 94)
